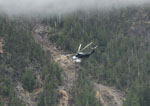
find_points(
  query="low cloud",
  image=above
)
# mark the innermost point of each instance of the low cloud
(51, 7)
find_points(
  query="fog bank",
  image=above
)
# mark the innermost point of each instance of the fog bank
(51, 7)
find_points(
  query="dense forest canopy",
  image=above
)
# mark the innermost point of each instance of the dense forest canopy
(121, 59)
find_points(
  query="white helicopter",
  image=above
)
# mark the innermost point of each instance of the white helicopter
(80, 55)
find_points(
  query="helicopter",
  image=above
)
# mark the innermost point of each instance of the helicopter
(80, 55)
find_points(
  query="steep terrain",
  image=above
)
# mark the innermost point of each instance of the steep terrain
(108, 96)
(59, 57)
(120, 62)
(30, 98)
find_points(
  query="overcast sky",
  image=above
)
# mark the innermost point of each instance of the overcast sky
(50, 7)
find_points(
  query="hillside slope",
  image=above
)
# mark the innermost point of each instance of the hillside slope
(36, 67)
(107, 95)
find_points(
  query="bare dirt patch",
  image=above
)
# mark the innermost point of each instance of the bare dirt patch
(108, 96)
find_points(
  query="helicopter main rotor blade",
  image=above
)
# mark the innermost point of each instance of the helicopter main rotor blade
(79, 48)
(87, 46)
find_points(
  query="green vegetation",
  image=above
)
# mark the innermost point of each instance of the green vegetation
(122, 57)
(21, 53)
(14, 100)
(49, 96)
(1, 103)
(7, 91)
(20, 47)
(138, 94)
(53, 79)
(28, 80)
(83, 93)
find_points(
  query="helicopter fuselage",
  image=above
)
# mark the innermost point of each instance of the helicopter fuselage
(82, 55)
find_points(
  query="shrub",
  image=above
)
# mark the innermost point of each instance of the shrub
(28, 80)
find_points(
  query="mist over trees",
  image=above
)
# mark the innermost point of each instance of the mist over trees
(121, 60)
(43, 8)
(122, 57)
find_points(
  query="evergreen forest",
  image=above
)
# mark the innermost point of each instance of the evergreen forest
(121, 60)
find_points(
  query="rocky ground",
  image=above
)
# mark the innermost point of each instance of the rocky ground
(108, 96)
